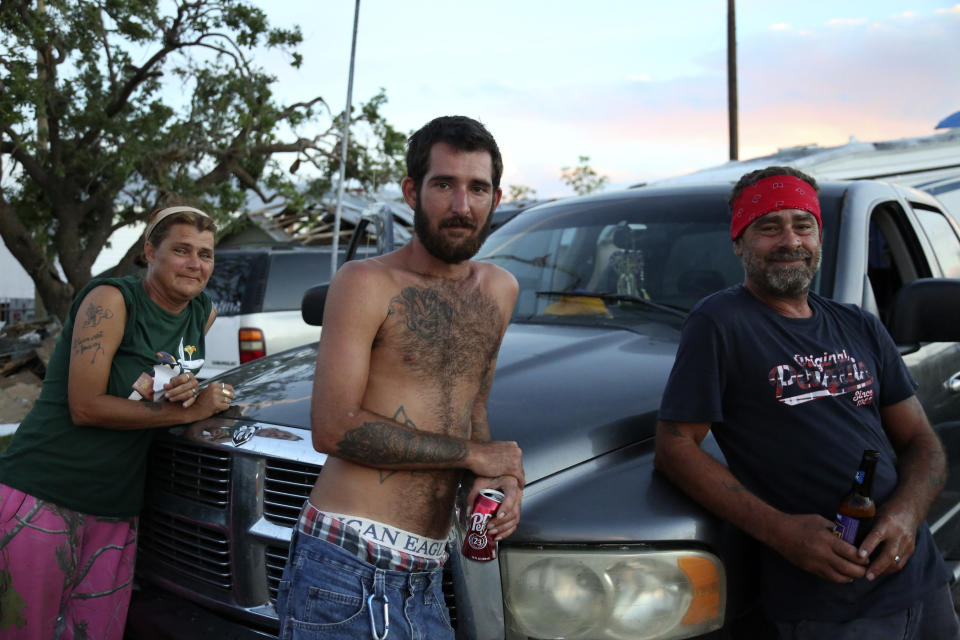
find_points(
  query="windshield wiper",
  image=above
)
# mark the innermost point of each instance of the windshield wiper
(617, 297)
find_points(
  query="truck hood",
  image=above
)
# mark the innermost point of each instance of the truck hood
(566, 394)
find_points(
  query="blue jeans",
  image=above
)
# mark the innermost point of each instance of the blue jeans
(932, 618)
(327, 592)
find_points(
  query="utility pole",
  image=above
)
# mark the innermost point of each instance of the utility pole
(344, 141)
(732, 108)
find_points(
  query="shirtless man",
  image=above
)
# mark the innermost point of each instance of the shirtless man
(404, 367)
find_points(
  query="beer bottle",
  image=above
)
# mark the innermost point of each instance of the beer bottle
(856, 510)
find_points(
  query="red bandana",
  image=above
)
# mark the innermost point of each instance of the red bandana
(775, 193)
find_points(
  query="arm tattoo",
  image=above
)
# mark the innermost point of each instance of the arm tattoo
(383, 443)
(671, 429)
(153, 406)
(95, 314)
(734, 487)
(91, 343)
(401, 417)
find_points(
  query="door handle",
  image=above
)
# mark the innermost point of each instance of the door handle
(953, 384)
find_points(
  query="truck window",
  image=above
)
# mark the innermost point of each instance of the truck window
(894, 256)
(943, 238)
(229, 281)
(291, 274)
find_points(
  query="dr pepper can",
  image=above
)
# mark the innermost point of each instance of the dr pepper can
(477, 545)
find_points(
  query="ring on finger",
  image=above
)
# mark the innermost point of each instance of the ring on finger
(225, 392)
(195, 392)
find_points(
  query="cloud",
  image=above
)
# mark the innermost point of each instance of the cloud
(846, 22)
(780, 26)
(955, 10)
(871, 84)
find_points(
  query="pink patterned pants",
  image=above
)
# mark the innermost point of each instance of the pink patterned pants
(63, 574)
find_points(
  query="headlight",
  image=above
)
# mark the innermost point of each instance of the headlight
(612, 595)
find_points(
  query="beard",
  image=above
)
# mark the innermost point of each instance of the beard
(441, 248)
(782, 280)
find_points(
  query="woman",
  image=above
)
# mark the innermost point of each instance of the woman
(71, 481)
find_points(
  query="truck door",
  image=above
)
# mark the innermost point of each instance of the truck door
(899, 252)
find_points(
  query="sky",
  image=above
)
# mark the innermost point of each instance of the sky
(638, 86)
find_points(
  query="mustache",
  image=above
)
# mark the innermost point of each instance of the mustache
(457, 221)
(798, 254)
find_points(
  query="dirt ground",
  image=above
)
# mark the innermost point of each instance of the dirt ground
(25, 351)
(16, 400)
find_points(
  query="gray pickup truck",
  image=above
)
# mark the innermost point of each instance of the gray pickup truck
(607, 547)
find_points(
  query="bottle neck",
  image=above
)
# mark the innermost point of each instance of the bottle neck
(868, 466)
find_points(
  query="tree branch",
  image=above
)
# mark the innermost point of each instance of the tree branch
(106, 48)
(15, 149)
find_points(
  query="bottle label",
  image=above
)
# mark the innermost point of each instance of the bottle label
(845, 528)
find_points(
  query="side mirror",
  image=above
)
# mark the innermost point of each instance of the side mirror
(926, 310)
(311, 308)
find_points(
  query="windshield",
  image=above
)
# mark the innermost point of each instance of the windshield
(614, 259)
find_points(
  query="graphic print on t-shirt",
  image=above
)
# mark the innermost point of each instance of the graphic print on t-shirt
(809, 377)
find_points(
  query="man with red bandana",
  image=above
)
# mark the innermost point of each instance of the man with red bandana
(795, 388)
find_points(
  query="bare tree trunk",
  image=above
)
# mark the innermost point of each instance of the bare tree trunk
(55, 293)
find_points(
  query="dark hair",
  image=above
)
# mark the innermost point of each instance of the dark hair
(461, 133)
(756, 176)
(162, 230)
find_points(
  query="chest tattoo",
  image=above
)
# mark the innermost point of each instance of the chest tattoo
(446, 336)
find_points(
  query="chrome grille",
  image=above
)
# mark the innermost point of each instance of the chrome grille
(449, 596)
(276, 558)
(190, 471)
(190, 549)
(286, 487)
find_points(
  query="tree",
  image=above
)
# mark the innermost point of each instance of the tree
(109, 108)
(520, 192)
(583, 179)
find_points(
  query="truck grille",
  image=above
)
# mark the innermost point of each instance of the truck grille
(276, 558)
(196, 473)
(285, 488)
(190, 549)
(449, 597)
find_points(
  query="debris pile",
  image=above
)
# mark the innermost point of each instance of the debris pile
(25, 350)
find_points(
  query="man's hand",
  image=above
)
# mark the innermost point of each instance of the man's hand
(496, 458)
(508, 514)
(808, 542)
(897, 531)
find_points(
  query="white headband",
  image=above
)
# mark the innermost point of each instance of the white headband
(165, 213)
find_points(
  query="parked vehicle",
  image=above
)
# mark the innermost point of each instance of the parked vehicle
(606, 546)
(257, 291)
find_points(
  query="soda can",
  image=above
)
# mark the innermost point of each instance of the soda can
(478, 545)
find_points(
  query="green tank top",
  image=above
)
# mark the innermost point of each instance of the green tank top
(90, 469)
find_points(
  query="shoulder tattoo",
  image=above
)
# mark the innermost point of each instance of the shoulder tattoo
(94, 314)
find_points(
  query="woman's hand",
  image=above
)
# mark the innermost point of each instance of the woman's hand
(183, 388)
(215, 397)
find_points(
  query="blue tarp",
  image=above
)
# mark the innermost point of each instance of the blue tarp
(949, 122)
